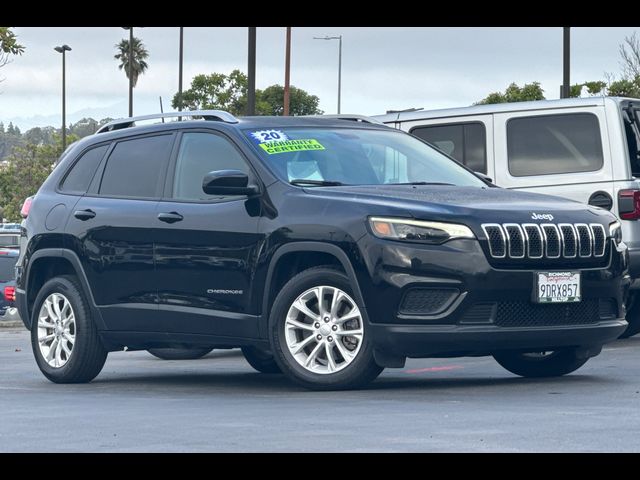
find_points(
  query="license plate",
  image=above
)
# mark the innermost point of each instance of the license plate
(557, 287)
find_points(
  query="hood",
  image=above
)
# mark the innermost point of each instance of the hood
(469, 205)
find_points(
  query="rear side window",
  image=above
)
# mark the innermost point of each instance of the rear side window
(466, 142)
(552, 144)
(135, 166)
(81, 173)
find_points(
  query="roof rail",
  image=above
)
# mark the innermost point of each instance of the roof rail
(406, 110)
(216, 115)
(353, 118)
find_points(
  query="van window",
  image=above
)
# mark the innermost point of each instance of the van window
(552, 144)
(632, 134)
(466, 142)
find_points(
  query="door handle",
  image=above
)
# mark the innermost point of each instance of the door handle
(170, 217)
(84, 214)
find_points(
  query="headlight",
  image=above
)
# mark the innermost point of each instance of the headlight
(615, 232)
(417, 230)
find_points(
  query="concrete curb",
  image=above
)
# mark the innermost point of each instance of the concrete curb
(11, 324)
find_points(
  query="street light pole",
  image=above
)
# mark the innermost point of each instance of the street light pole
(339, 38)
(63, 49)
(287, 74)
(180, 68)
(566, 62)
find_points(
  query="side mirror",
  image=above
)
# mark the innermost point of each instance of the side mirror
(227, 182)
(484, 177)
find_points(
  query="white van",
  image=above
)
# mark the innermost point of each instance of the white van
(585, 149)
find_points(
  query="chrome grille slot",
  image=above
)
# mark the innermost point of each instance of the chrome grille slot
(584, 239)
(599, 239)
(496, 239)
(533, 237)
(569, 240)
(515, 240)
(552, 240)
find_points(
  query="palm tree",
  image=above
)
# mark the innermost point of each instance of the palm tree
(140, 54)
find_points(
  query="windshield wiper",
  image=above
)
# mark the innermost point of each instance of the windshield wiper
(421, 183)
(322, 183)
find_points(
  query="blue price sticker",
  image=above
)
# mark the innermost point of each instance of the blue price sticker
(268, 136)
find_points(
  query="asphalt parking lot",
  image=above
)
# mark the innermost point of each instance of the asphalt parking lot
(140, 403)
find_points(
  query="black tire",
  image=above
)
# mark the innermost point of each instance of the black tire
(633, 317)
(260, 360)
(362, 368)
(553, 364)
(180, 353)
(88, 354)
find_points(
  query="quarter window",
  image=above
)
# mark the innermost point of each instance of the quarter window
(81, 173)
(201, 153)
(466, 142)
(135, 167)
(552, 144)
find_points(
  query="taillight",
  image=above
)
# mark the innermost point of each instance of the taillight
(629, 204)
(10, 294)
(26, 206)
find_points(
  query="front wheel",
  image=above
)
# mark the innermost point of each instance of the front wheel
(179, 353)
(633, 316)
(318, 333)
(261, 360)
(541, 364)
(64, 338)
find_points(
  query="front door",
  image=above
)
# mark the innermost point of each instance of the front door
(206, 247)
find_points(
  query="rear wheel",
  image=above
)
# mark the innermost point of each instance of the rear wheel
(179, 353)
(318, 334)
(64, 337)
(261, 360)
(541, 364)
(633, 316)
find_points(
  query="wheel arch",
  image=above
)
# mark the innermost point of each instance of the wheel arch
(327, 250)
(51, 262)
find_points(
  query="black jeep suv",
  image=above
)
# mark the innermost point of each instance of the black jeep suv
(326, 248)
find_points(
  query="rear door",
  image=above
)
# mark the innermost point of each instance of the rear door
(468, 139)
(112, 230)
(564, 152)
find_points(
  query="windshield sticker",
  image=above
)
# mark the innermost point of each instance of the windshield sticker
(267, 136)
(291, 146)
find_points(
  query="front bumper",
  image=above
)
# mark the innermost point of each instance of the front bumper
(493, 308)
(420, 341)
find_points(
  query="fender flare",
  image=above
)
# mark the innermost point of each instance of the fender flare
(320, 247)
(74, 260)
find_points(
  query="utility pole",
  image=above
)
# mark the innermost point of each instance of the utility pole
(287, 73)
(181, 60)
(63, 49)
(251, 73)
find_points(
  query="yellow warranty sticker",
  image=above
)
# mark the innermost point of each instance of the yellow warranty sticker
(291, 146)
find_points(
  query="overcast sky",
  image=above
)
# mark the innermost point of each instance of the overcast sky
(383, 68)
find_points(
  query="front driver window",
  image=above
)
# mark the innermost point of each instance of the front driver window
(201, 153)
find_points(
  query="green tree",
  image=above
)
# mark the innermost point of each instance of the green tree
(215, 91)
(9, 45)
(515, 93)
(138, 60)
(270, 101)
(625, 88)
(218, 91)
(24, 171)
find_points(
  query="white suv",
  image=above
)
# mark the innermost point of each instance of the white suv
(585, 149)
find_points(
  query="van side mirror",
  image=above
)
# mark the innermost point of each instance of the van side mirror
(484, 177)
(227, 182)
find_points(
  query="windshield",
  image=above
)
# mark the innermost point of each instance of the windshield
(350, 156)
